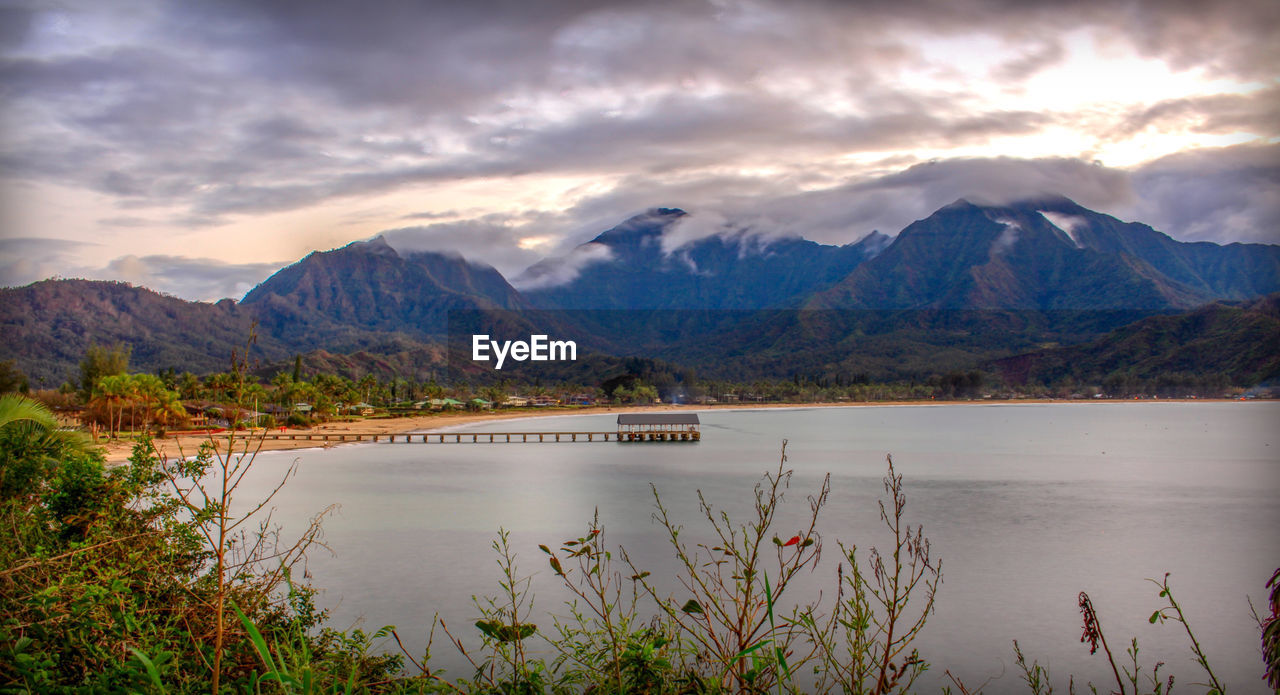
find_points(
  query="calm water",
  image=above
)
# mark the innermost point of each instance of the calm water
(1026, 504)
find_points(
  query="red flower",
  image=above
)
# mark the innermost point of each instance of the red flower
(793, 541)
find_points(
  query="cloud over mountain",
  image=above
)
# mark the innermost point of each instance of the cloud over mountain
(252, 132)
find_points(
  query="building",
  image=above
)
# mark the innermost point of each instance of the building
(658, 427)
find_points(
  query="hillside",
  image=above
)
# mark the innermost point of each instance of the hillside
(1049, 254)
(352, 297)
(1238, 342)
(48, 325)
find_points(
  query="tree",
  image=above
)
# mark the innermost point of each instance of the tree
(31, 446)
(100, 361)
(146, 391)
(110, 394)
(283, 385)
(644, 393)
(15, 408)
(12, 379)
(494, 394)
(189, 386)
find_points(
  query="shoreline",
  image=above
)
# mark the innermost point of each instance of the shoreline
(186, 444)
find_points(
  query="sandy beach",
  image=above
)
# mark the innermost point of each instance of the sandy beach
(186, 444)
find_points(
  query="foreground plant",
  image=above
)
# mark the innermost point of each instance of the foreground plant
(1270, 627)
(866, 644)
(600, 638)
(732, 587)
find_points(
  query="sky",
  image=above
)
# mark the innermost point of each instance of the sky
(196, 147)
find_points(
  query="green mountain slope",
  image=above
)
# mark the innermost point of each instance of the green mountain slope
(1240, 342)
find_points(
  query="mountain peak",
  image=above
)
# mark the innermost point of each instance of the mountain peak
(957, 204)
(1052, 202)
(649, 224)
(376, 245)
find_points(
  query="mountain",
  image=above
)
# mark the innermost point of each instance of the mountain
(1048, 254)
(349, 298)
(967, 286)
(48, 325)
(1236, 342)
(627, 267)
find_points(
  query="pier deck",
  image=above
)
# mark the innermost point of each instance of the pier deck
(475, 437)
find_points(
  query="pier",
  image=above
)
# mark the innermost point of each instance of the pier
(658, 427)
(444, 437)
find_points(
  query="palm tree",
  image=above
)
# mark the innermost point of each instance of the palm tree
(167, 408)
(283, 383)
(149, 390)
(17, 408)
(110, 392)
(31, 445)
(189, 386)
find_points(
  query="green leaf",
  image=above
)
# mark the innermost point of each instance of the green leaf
(782, 661)
(555, 565)
(752, 649)
(544, 549)
(259, 643)
(1154, 617)
(638, 577)
(691, 606)
(501, 632)
(152, 671)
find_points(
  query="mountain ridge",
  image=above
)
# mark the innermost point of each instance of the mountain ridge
(1048, 256)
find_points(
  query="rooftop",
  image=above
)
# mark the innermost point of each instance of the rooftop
(658, 419)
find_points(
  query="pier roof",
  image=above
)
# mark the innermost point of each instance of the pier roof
(658, 419)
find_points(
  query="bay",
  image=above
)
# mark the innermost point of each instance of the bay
(1026, 504)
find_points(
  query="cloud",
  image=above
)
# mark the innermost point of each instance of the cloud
(809, 118)
(191, 278)
(1220, 195)
(845, 212)
(492, 240)
(1038, 57)
(1255, 112)
(1217, 195)
(558, 271)
(236, 108)
(24, 260)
